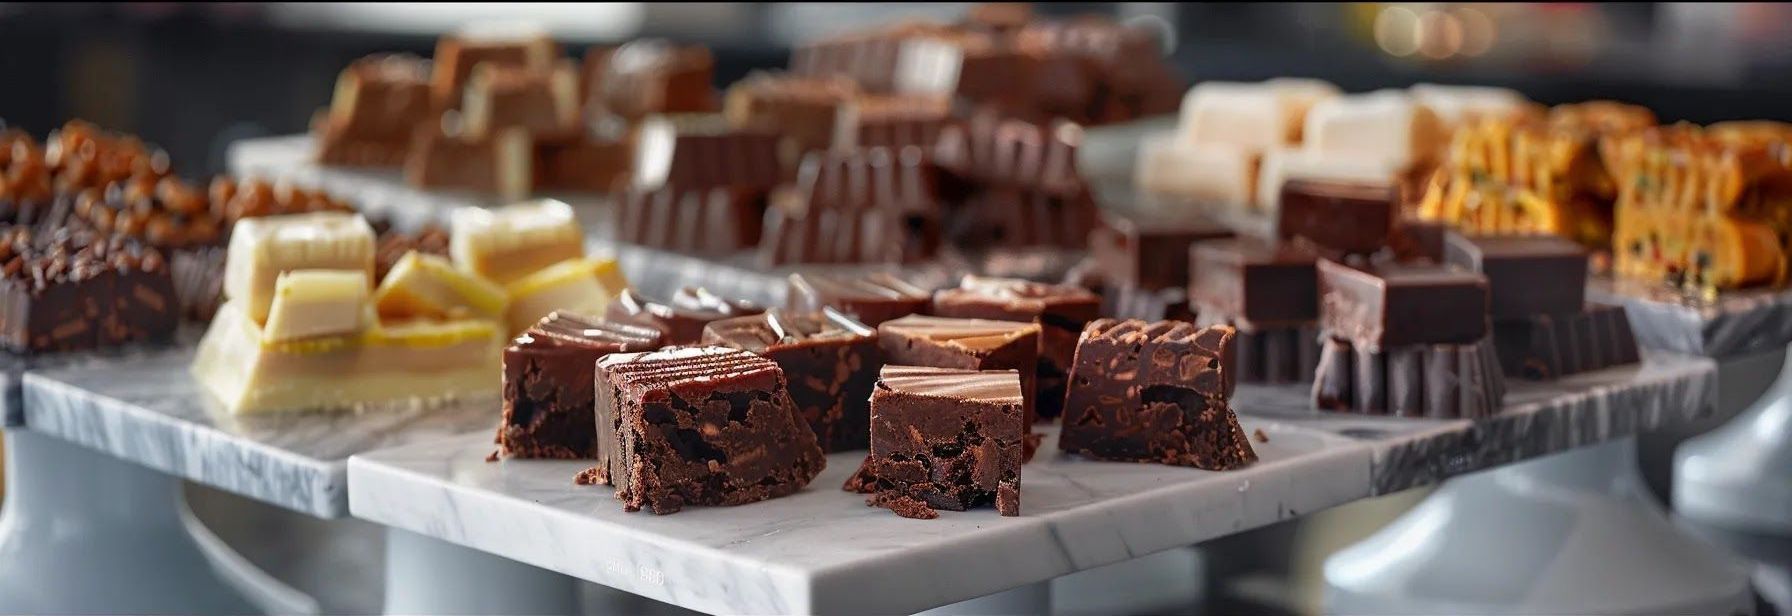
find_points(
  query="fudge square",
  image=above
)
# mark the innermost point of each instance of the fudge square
(964, 344)
(1154, 392)
(830, 360)
(698, 426)
(1060, 310)
(947, 439)
(1389, 306)
(548, 389)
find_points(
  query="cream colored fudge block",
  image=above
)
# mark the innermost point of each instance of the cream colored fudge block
(310, 303)
(1283, 164)
(1214, 173)
(428, 286)
(1457, 105)
(1251, 115)
(1386, 125)
(507, 243)
(263, 248)
(575, 285)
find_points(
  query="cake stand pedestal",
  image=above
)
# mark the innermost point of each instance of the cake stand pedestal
(1572, 533)
(1740, 475)
(83, 532)
(431, 576)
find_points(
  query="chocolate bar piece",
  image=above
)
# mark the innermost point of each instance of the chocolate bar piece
(649, 76)
(1060, 310)
(548, 390)
(830, 359)
(379, 102)
(1257, 284)
(1149, 252)
(1424, 380)
(682, 319)
(502, 164)
(1545, 347)
(873, 298)
(75, 291)
(1393, 305)
(966, 344)
(458, 54)
(1347, 217)
(950, 439)
(1275, 355)
(703, 151)
(812, 113)
(1023, 183)
(861, 206)
(901, 121)
(1155, 392)
(1527, 275)
(704, 221)
(541, 102)
(699, 426)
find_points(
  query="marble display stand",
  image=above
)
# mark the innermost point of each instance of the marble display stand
(1740, 475)
(822, 550)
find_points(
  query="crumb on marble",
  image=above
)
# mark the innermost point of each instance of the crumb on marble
(493, 457)
(594, 476)
(1260, 435)
(903, 505)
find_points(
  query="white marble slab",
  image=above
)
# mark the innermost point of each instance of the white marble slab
(1736, 323)
(144, 407)
(822, 551)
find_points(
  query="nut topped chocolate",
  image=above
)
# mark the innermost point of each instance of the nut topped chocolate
(547, 387)
(70, 291)
(829, 359)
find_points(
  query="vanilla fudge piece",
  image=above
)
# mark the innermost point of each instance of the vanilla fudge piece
(263, 248)
(428, 286)
(1254, 116)
(507, 243)
(1217, 173)
(1386, 126)
(311, 303)
(577, 285)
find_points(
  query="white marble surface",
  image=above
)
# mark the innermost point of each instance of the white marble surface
(145, 407)
(823, 551)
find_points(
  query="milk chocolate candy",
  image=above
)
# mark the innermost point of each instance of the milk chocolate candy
(862, 206)
(502, 164)
(1527, 275)
(1545, 347)
(1394, 305)
(459, 53)
(582, 165)
(702, 151)
(716, 220)
(1260, 285)
(1346, 217)
(1426, 380)
(651, 76)
(812, 113)
(379, 102)
(543, 103)
(1149, 252)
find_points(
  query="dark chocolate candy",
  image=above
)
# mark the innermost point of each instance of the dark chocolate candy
(1155, 392)
(1060, 310)
(952, 439)
(1149, 252)
(1392, 306)
(1415, 240)
(683, 318)
(873, 298)
(73, 291)
(699, 426)
(717, 220)
(1527, 275)
(1347, 217)
(1257, 284)
(1544, 347)
(829, 359)
(548, 383)
(1425, 380)
(872, 205)
(649, 76)
(966, 344)
(1282, 354)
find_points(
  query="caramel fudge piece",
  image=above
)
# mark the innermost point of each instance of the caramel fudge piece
(966, 344)
(548, 377)
(873, 298)
(947, 439)
(702, 426)
(1060, 310)
(830, 360)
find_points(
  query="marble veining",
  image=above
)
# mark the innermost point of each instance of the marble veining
(145, 407)
(1736, 323)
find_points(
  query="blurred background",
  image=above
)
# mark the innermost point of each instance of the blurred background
(193, 77)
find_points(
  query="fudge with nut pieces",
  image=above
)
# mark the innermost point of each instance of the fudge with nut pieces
(830, 360)
(548, 377)
(1155, 392)
(1060, 310)
(705, 426)
(947, 439)
(75, 291)
(965, 344)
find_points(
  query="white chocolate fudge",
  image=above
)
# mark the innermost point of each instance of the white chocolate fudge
(1283, 164)
(1458, 105)
(507, 243)
(428, 286)
(263, 248)
(577, 285)
(310, 303)
(1215, 173)
(1385, 125)
(1251, 115)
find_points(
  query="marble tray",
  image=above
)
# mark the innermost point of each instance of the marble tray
(144, 407)
(823, 551)
(1737, 323)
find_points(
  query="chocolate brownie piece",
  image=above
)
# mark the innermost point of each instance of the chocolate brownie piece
(1060, 310)
(873, 298)
(1392, 306)
(964, 344)
(1341, 217)
(830, 360)
(1258, 284)
(699, 426)
(548, 389)
(1527, 275)
(1149, 252)
(949, 438)
(73, 291)
(1423, 380)
(1155, 392)
(683, 318)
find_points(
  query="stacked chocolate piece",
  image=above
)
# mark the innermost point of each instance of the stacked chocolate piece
(1060, 311)
(1542, 325)
(1021, 183)
(870, 205)
(700, 186)
(1270, 293)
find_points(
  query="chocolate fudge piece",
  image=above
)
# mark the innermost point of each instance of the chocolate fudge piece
(379, 102)
(1258, 284)
(1347, 217)
(966, 344)
(1421, 380)
(458, 54)
(813, 113)
(548, 384)
(649, 76)
(1543, 347)
(1527, 275)
(873, 298)
(717, 220)
(1149, 252)
(682, 319)
(830, 360)
(1393, 305)
(74, 291)
(699, 426)
(1060, 310)
(951, 439)
(703, 151)
(1155, 392)
(866, 205)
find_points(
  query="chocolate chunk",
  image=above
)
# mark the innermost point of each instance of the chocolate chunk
(1526, 274)
(1060, 310)
(1149, 252)
(1432, 380)
(872, 205)
(1351, 218)
(948, 438)
(548, 383)
(699, 426)
(830, 360)
(873, 298)
(967, 344)
(683, 318)
(1393, 305)
(1155, 392)
(1545, 347)
(1259, 285)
